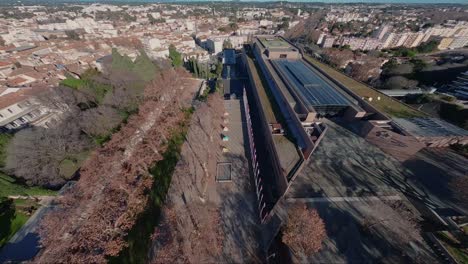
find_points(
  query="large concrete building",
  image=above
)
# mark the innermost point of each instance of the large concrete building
(337, 145)
(21, 109)
(290, 104)
(294, 99)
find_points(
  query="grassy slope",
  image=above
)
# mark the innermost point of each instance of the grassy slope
(9, 187)
(24, 208)
(69, 166)
(17, 222)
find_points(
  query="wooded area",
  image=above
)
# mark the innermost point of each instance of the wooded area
(91, 109)
(114, 182)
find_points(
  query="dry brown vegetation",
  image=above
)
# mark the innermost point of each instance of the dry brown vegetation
(169, 239)
(92, 219)
(338, 57)
(196, 234)
(460, 187)
(304, 230)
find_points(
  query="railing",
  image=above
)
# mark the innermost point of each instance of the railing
(255, 165)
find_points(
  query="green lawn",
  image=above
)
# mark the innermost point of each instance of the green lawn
(69, 166)
(73, 83)
(98, 90)
(17, 222)
(4, 140)
(13, 216)
(386, 104)
(9, 186)
(453, 246)
(262, 86)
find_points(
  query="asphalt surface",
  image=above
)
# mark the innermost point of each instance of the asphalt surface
(24, 245)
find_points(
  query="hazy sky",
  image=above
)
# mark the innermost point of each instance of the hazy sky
(15, 2)
(323, 1)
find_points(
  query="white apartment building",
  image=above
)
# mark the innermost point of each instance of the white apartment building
(453, 30)
(22, 111)
(215, 45)
(345, 17)
(445, 43)
(413, 39)
(371, 44)
(380, 33)
(151, 43)
(459, 42)
(392, 40)
(353, 43)
(19, 36)
(328, 42)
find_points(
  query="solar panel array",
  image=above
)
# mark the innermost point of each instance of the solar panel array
(229, 56)
(430, 127)
(314, 91)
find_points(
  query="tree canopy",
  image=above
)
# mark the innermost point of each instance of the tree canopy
(304, 230)
(175, 56)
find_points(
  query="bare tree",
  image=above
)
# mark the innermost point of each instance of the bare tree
(460, 187)
(99, 121)
(64, 99)
(127, 90)
(113, 189)
(400, 82)
(337, 57)
(304, 230)
(36, 154)
(368, 69)
(169, 242)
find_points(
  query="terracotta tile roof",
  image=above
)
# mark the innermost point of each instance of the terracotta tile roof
(17, 81)
(5, 63)
(22, 70)
(23, 94)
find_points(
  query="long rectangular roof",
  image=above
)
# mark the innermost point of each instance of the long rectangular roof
(309, 85)
(273, 42)
(429, 127)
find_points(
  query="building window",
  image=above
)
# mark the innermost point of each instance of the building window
(283, 56)
(19, 106)
(9, 110)
(1, 115)
(22, 119)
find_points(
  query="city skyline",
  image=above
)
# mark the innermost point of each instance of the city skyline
(436, 2)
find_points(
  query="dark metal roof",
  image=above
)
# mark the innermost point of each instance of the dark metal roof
(429, 127)
(229, 56)
(311, 87)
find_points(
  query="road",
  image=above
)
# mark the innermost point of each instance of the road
(24, 245)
